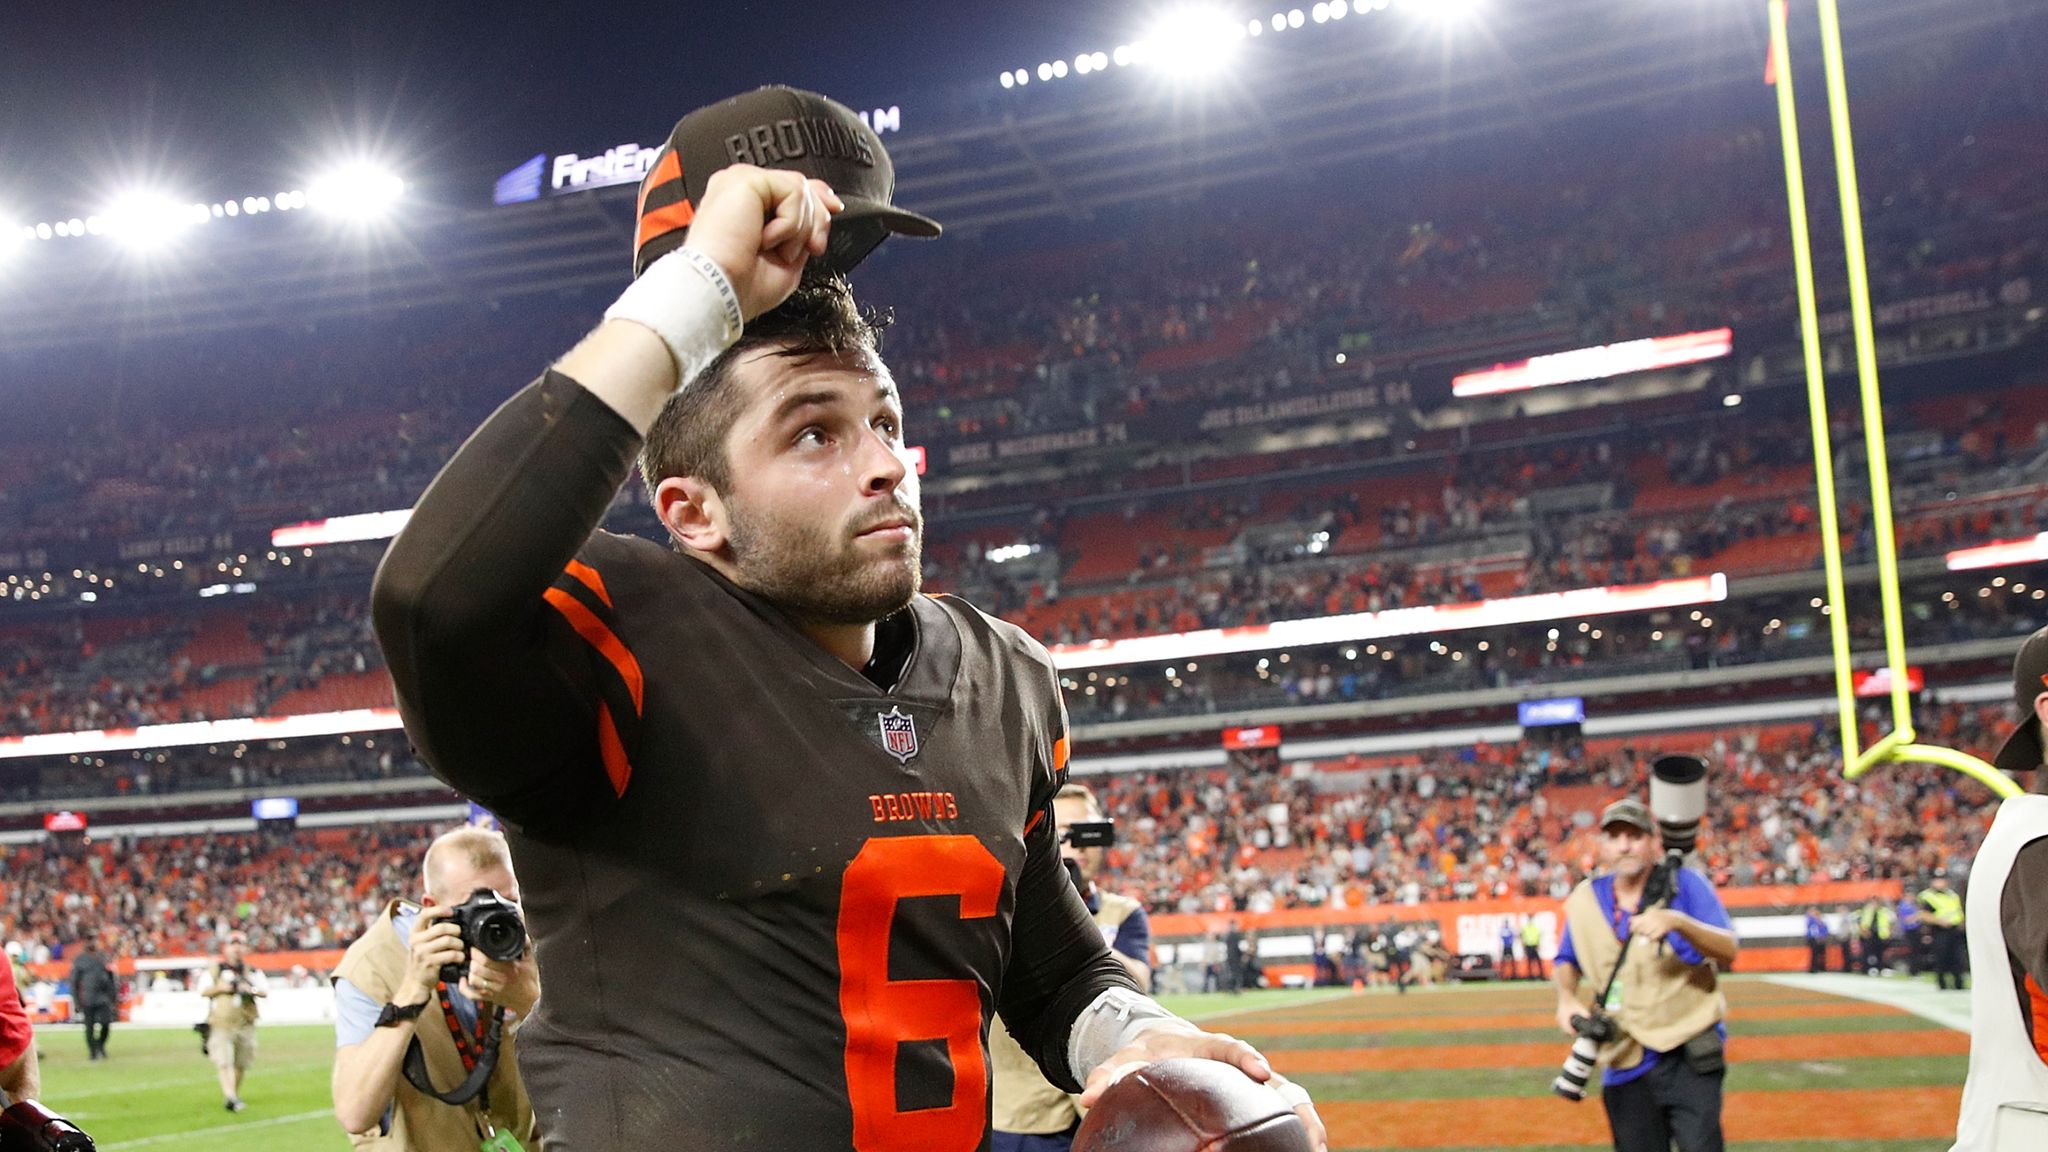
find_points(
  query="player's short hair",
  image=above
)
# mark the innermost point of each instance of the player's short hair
(1072, 791)
(480, 848)
(820, 318)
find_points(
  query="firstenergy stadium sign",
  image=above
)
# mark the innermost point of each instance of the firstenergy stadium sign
(568, 172)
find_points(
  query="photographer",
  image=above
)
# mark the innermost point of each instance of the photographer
(1029, 1113)
(390, 991)
(1664, 1062)
(231, 990)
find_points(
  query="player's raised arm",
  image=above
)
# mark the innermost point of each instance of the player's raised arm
(459, 601)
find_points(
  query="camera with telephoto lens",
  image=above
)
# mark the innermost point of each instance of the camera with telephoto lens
(1593, 1031)
(490, 924)
(27, 1126)
(1678, 799)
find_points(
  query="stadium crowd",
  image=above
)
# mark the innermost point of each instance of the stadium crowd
(1487, 821)
(1475, 822)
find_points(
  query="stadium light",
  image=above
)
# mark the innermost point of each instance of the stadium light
(142, 221)
(360, 191)
(1191, 42)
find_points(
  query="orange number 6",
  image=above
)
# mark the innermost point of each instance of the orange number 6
(882, 1013)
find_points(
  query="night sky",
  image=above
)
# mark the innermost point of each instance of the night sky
(231, 96)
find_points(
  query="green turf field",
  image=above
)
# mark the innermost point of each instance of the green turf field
(1457, 1069)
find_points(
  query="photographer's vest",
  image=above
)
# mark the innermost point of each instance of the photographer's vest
(376, 964)
(1663, 1001)
(1023, 1100)
(230, 1013)
(2005, 1068)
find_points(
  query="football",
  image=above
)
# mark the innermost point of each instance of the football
(1190, 1105)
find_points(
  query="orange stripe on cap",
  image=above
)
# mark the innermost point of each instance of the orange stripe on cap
(588, 577)
(662, 221)
(613, 750)
(594, 632)
(669, 167)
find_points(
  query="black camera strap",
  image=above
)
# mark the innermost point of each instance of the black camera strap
(479, 1073)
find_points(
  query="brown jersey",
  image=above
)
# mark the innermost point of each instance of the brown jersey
(786, 897)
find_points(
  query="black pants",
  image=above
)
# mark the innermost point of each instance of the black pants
(1669, 1102)
(99, 1020)
(1816, 955)
(1949, 957)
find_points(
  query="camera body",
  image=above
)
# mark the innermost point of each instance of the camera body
(489, 924)
(1090, 833)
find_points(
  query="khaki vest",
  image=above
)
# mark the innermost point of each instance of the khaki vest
(1664, 1001)
(228, 1013)
(376, 964)
(1024, 1100)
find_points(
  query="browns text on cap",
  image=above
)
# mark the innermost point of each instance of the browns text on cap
(2021, 751)
(1630, 811)
(776, 127)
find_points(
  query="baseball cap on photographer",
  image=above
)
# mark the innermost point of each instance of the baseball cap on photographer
(776, 127)
(1629, 811)
(2022, 750)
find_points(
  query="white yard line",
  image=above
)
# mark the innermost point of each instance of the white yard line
(1948, 1009)
(147, 1085)
(272, 1122)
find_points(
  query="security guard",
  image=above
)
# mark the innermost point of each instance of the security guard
(1878, 924)
(1532, 950)
(1942, 912)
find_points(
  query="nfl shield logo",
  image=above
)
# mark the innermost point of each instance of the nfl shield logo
(899, 735)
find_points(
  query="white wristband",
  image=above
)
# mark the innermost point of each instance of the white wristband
(686, 299)
(1113, 1021)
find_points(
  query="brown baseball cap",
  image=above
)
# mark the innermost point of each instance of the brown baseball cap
(776, 127)
(2022, 750)
(1630, 811)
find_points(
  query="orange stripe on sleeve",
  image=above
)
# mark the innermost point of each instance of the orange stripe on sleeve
(1060, 749)
(1033, 822)
(2037, 1013)
(616, 766)
(588, 577)
(594, 632)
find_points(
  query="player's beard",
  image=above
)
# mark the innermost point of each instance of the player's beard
(820, 574)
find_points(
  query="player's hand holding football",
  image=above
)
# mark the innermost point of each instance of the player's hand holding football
(761, 225)
(1167, 1044)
